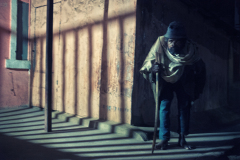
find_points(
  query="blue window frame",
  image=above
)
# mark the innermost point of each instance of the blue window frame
(19, 36)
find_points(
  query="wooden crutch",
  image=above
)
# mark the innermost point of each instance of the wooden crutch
(156, 115)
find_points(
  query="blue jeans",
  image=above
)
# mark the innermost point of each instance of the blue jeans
(183, 110)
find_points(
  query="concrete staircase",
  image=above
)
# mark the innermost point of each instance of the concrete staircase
(22, 137)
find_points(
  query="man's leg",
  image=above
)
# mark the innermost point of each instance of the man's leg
(164, 111)
(183, 116)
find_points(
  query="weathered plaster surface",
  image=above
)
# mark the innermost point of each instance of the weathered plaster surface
(13, 83)
(93, 53)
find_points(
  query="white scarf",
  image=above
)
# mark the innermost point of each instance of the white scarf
(174, 64)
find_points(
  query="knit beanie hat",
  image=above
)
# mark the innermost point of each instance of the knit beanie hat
(175, 30)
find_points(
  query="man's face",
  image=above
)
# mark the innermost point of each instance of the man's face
(175, 45)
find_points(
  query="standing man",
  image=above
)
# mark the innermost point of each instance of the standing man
(182, 71)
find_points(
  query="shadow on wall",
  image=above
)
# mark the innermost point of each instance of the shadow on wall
(103, 85)
(3, 31)
(11, 80)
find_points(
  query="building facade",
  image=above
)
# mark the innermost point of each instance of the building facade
(98, 49)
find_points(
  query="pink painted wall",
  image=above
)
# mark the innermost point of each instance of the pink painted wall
(13, 83)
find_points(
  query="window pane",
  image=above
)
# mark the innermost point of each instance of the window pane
(22, 31)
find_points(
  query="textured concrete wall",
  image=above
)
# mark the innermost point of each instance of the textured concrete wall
(153, 17)
(234, 74)
(13, 83)
(93, 51)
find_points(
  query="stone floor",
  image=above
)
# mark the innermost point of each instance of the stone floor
(22, 137)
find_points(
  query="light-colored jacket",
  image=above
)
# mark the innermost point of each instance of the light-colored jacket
(190, 69)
